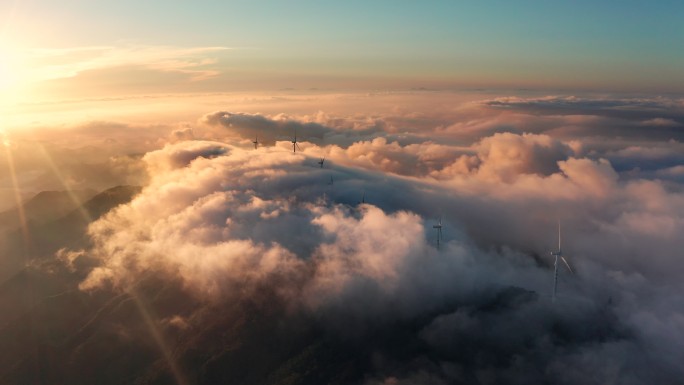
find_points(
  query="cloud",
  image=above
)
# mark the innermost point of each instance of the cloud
(233, 223)
(597, 178)
(672, 172)
(96, 154)
(270, 130)
(236, 247)
(647, 158)
(46, 64)
(359, 252)
(250, 126)
(182, 134)
(653, 119)
(571, 105)
(595, 127)
(661, 122)
(375, 148)
(507, 155)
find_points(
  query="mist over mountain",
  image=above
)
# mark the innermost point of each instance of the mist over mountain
(46, 206)
(341, 192)
(53, 220)
(238, 265)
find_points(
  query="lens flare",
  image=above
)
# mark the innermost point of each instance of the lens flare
(17, 196)
(152, 326)
(51, 165)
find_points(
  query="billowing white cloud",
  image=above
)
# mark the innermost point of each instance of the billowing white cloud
(233, 222)
(266, 229)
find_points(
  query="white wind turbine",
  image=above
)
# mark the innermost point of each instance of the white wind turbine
(295, 146)
(558, 255)
(438, 226)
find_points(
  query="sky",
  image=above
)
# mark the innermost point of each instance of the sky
(90, 48)
(198, 234)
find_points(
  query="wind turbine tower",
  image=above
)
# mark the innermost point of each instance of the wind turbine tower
(438, 226)
(558, 255)
(295, 146)
(256, 142)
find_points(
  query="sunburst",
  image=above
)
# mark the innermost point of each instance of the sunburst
(17, 195)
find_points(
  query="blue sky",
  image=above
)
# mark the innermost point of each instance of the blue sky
(616, 44)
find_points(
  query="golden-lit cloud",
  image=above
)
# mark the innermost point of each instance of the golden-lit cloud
(341, 192)
(52, 74)
(349, 246)
(45, 64)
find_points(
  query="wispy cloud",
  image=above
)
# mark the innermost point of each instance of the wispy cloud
(47, 64)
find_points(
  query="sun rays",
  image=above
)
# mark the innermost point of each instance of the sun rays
(55, 171)
(7, 147)
(147, 314)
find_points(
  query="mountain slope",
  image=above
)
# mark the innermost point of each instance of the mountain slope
(66, 231)
(46, 206)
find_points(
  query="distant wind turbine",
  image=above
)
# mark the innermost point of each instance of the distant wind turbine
(331, 180)
(438, 226)
(295, 146)
(320, 162)
(363, 198)
(256, 142)
(558, 254)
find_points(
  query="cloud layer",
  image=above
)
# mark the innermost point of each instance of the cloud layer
(341, 255)
(230, 223)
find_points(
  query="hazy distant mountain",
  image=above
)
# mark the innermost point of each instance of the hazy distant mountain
(48, 231)
(46, 206)
(69, 230)
(42, 312)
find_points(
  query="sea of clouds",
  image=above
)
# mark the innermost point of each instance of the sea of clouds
(351, 242)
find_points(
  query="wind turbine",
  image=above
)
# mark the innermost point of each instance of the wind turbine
(256, 142)
(363, 198)
(558, 254)
(320, 162)
(438, 226)
(332, 182)
(295, 146)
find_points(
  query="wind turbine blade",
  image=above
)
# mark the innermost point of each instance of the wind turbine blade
(559, 235)
(296, 144)
(567, 265)
(555, 280)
